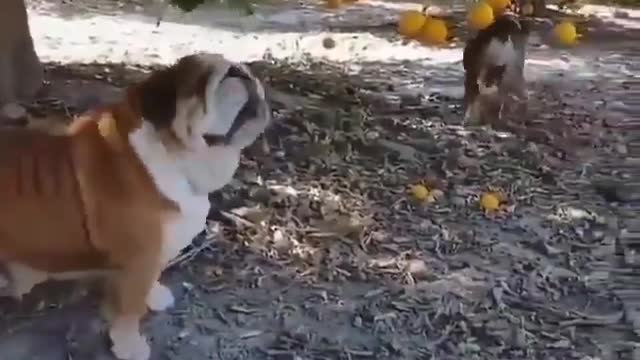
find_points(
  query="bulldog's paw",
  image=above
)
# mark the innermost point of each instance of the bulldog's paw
(129, 345)
(159, 298)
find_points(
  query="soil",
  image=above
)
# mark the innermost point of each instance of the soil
(317, 250)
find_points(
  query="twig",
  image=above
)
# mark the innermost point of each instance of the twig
(191, 253)
(206, 244)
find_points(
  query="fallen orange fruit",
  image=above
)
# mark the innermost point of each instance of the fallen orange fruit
(490, 201)
(419, 192)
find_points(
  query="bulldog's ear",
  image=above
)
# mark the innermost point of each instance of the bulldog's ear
(157, 97)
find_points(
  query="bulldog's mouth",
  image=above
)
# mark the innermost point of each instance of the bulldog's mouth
(215, 140)
(248, 111)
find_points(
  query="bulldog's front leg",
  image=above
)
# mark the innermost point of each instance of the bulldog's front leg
(128, 344)
(179, 233)
(474, 115)
(132, 286)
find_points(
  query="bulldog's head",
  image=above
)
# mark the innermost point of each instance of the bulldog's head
(205, 109)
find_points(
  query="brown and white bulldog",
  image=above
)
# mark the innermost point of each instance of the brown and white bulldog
(125, 188)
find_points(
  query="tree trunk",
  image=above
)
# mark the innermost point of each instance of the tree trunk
(20, 70)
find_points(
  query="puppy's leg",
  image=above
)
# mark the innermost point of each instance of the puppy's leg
(470, 95)
(518, 97)
(132, 286)
(520, 90)
(468, 115)
(475, 114)
(23, 279)
(516, 85)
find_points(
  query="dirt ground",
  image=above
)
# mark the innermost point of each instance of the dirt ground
(315, 250)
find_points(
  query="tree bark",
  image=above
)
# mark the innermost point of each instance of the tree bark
(21, 73)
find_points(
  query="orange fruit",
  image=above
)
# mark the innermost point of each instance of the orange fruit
(489, 201)
(411, 22)
(480, 16)
(565, 33)
(419, 192)
(434, 31)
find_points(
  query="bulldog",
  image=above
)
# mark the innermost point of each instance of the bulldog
(493, 61)
(125, 188)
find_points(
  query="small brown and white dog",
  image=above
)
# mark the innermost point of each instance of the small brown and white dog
(125, 189)
(494, 69)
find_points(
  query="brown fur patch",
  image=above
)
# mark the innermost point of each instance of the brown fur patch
(66, 201)
(161, 91)
(84, 201)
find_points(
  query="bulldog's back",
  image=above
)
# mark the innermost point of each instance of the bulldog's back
(42, 217)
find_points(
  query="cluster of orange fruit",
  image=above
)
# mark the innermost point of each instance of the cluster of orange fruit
(417, 25)
(489, 201)
(427, 29)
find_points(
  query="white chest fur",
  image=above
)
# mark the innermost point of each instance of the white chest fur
(167, 173)
(180, 232)
(512, 55)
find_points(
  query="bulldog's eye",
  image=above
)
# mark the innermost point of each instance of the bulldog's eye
(212, 140)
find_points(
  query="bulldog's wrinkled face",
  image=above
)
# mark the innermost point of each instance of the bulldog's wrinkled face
(207, 109)
(205, 100)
